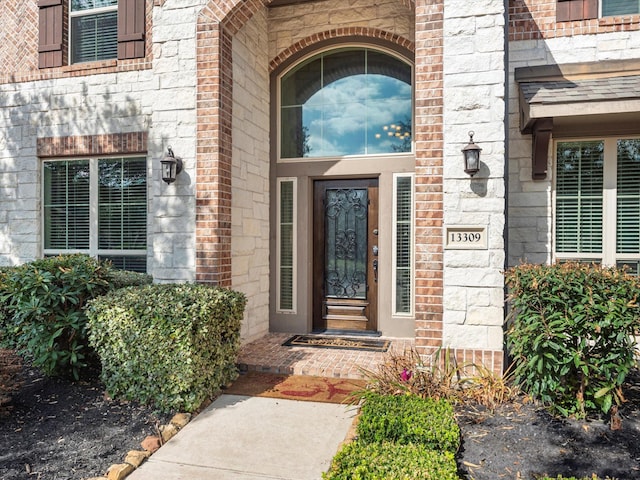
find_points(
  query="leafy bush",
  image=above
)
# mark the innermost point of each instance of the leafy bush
(571, 333)
(407, 419)
(383, 461)
(124, 278)
(168, 345)
(43, 302)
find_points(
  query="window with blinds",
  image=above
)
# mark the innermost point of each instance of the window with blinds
(628, 202)
(93, 30)
(597, 207)
(403, 244)
(611, 8)
(286, 245)
(579, 197)
(98, 207)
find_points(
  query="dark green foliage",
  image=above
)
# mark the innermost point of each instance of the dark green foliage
(124, 278)
(384, 461)
(43, 305)
(407, 419)
(168, 345)
(571, 333)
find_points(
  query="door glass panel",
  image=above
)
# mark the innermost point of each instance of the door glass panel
(346, 243)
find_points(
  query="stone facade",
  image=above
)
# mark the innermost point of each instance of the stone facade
(207, 86)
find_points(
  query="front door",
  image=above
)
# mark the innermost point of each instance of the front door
(345, 252)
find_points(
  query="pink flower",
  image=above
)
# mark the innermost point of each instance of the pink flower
(406, 375)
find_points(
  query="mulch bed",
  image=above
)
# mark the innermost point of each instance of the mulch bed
(55, 429)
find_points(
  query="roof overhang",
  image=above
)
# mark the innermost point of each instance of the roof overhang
(581, 98)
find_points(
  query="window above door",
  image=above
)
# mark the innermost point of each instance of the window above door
(348, 101)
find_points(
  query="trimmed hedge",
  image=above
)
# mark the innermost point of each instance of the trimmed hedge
(167, 345)
(407, 419)
(384, 461)
(572, 333)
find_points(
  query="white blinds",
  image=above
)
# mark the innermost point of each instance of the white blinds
(94, 30)
(106, 217)
(122, 204)
(619, 7)
(580, 167)
(403, 244)
(66, 204)
(286, 232)
(628, 198)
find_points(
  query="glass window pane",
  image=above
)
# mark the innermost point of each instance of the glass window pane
(346, 243)
(79, 5)
(579, 197)
(286, 232)
(628, 200)
(403, 244)
(345, 102)
(94, 37)
(66, 205)
(619, 7)
(133, 263)
(122, 204)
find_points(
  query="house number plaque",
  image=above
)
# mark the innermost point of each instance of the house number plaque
(465, 237)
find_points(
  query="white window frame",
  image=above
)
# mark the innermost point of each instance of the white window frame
(86, 13)
(294, 246)
(394, 246)
(608, 257)
(93, 249)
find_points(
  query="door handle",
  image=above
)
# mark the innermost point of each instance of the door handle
(375, 270)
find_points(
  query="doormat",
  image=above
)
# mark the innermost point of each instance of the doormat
(327, 341)
(297, 387)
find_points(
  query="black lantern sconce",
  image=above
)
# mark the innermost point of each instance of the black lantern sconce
(471, 156)
(171, 166)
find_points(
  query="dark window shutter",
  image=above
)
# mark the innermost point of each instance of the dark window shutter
(50, 31)
(590, 9)
(131, 26)
(570, 10)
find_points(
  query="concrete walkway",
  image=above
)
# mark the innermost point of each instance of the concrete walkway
(239, 437)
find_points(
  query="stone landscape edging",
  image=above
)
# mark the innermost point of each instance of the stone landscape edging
(150, 445)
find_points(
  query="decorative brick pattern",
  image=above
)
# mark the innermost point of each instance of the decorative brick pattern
(536, 19)
(19, 47)
(339, 33)
(109, 144)
(429, 140)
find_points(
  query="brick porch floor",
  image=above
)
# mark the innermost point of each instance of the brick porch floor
(268, 355)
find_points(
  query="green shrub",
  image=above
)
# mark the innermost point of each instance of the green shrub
(383, 461)
(43, 305)
(124, 278)
(171, 346)
(407, 419)
(571, 333)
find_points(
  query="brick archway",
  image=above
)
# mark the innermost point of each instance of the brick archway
(217, 23)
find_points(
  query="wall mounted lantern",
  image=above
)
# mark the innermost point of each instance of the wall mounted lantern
(471, 156)
(171, 166)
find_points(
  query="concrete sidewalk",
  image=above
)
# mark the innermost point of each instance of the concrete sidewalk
(239, 437)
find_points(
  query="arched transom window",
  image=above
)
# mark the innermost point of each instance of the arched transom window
(348, 101)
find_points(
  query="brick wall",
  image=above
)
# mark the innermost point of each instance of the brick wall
(536, 19)
(19, 48)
